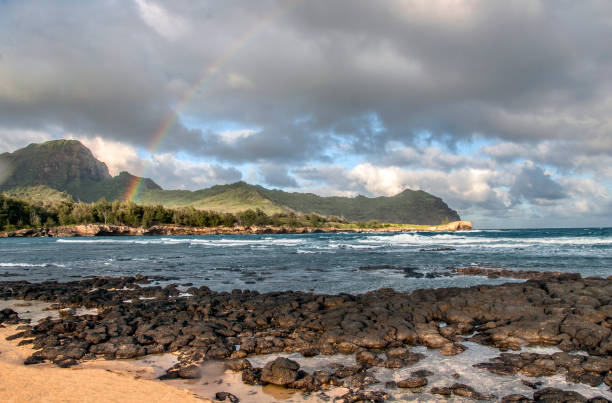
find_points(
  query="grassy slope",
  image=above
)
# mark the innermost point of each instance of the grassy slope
(38, 194)
(414, 207)
(229, 198)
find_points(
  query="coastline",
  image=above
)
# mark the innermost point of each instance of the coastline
(170, 230)
(48, 383)
(526, 338)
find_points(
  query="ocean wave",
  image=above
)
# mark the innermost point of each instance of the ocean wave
(417, 239)
(224, 242)
(409, 240)
(32, 265)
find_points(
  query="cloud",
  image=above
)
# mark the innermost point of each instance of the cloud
(239, 81)
(536, 186)
(232, 136)
(167, 25)
(167, 171)
(461, 188)
(12, 139)
(277, 175)
(117, 156)
(442, 66)
(401, 93)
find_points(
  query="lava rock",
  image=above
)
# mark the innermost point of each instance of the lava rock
(554, 395)
(460, 389)
(281, 371)
(223, 396)
(412, 383)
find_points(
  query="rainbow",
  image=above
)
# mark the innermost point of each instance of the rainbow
(133, 187)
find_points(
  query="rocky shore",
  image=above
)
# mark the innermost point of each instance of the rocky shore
(168, 230)
(379, 329)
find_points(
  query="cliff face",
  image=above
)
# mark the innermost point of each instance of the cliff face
(56, 164)
(64, 165)
(88, 230)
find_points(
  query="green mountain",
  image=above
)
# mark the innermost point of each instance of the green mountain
(67, 166)
(407, 207)
(59, 168)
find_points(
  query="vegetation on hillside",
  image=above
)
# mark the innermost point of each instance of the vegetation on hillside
(69, 167)
(415, 207)
(17, 214)
(227, 198)
(38, 194)
(66, 166)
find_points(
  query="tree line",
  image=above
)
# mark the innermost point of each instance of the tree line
(17, 214)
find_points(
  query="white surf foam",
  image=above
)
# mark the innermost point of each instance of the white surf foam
(32, 265)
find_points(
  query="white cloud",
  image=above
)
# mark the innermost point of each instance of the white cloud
(168, 170)
(231, 136)
(164, 23)
(239, 81)
(11, 139)
(117, 156)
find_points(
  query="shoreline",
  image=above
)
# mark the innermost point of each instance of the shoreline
(171, 230)
(94, 382)
(386, 336)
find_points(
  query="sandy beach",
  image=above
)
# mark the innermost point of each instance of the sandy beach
(47, 383)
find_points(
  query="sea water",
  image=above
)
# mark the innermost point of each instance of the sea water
(327, 263)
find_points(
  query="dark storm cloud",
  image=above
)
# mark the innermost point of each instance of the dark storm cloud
(277, 175)
(451, 68)
(536, 186)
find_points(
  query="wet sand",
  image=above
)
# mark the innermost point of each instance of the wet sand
(47, 383)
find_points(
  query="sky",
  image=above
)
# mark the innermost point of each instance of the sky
(501, 108)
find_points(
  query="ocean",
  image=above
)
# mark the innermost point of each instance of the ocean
(322, 263)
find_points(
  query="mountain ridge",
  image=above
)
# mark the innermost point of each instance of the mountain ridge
(70, 167)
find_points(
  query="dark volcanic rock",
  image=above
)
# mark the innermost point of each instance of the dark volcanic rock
(222, 396)
(367, 358)
(515, 398)
(422, 373)
(190, 372)
(460, 389)
(553, 395)
(369, 396)
(184, 372)
(571, 313)
(441, 391)
(9, 317)
(238, 365)
(34, 359)
(251, 376)
(498, 368)
(411, 383)
(281, 371)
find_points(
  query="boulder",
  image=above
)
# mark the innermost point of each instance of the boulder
(281, 371)
(412, 383)
(554, 395)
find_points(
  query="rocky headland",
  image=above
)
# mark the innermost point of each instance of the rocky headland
(169, 230)
(378, 328)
